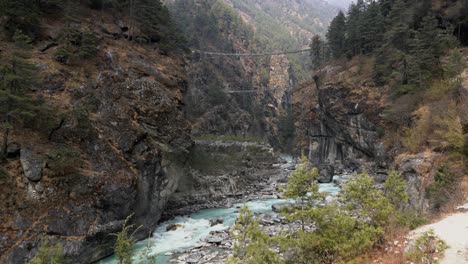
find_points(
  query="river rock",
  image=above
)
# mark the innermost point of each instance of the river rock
(326, 173)
(194, 258)
(173, 227)
(217, 221)
(214, 239)
(32, 165)
(278, 207)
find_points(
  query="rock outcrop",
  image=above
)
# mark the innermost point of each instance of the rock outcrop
(337, 119)
(122, 113)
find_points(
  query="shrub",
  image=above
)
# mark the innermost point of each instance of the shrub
(362, 197)
(89, 45)
(415, 137)
(412, 220)
(48, 254)
(395, 189)
(442, 189)
(64, 161)
(125, 244)
(250, 243)
(428, 248)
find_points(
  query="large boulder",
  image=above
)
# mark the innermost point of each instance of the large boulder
(326, 173)
(32, 165)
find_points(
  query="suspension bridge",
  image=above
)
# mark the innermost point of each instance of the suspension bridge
(207, 53)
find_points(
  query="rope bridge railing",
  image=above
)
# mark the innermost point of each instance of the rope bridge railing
(249, 54)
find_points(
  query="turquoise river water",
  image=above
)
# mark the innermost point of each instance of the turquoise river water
(195, 227)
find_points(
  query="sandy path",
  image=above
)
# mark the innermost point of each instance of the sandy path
(454, 230)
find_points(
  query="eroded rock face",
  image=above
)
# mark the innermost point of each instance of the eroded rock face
(418, 170)
(337, 121)
(128, 125)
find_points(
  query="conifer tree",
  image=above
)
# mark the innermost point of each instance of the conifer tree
(303, 186)
(373, 25)
(398, 31)
(354, 29)
(317, 52)
(22, 15)
(71, 34)
(152, 17)
(250, 243)
(427, 47)
(336, 35)
(18, 77)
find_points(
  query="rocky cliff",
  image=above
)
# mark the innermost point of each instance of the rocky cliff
(337, 117)
(121, 115)
(344, 120)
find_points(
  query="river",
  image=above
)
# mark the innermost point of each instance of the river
(196, 227)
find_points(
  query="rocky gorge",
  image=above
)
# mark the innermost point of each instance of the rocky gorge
(178, 139)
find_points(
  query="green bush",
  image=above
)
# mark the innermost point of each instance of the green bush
(441, 190)
(428, 248)
(251, 244)
(125, 244)
(412, 220)
(89, 45)
(64, 161)
(21, 15)
(48, 254)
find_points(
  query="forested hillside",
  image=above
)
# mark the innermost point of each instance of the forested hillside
(392, 96)
(286, 25)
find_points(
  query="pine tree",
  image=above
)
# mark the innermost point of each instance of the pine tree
(392, 56)
(18, 77)
(354, 29)
(398, 31)
(303, 186)
(22, 15)
(426, 50)
(152, 18)
(373, 25)
(250, 243)
(317, 52)
(336, 35)
(70, 37)
(386, 6)
(362, 197)
(395, 189)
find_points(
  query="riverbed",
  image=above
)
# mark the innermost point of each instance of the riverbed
(193, 229)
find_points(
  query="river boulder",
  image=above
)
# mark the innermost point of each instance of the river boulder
(216, 221)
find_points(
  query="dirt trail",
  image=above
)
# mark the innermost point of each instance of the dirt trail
(454, 230)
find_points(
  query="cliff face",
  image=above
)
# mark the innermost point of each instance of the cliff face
(122, 111)
(337, 121)
(344, 121)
